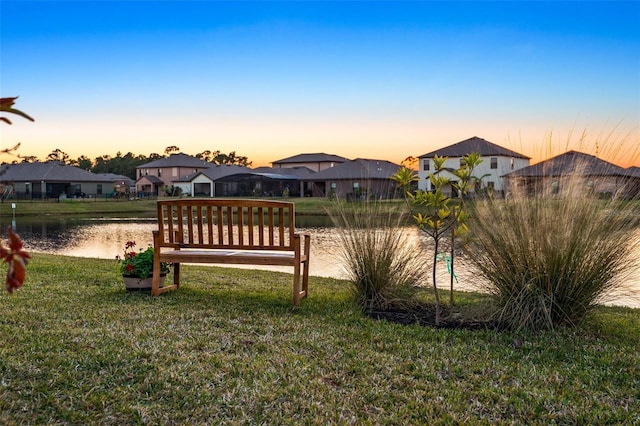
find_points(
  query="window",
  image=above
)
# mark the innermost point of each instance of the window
(174, 172)
(425, 165)
(491, 185)
(512, 163)
(356, 185)
(159, 172)
(334, 185)
(494, 162)
(99, 189)
(462, 163)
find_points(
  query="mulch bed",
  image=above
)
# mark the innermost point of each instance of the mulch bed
(426, 315)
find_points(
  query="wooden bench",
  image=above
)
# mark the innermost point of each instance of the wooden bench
(234, 231)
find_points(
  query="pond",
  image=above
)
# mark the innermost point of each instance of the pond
(106, 237)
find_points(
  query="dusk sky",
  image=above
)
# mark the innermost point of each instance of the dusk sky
(379, 80)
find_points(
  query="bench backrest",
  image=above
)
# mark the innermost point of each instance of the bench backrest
(226, 223)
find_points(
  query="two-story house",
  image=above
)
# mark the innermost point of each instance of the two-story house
(315, 162)
(151, 177)
(496, 162)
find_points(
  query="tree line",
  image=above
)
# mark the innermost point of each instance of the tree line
(126, 164)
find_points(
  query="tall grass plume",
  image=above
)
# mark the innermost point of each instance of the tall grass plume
(556, 246)
(382, 265)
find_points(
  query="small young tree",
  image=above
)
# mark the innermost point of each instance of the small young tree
(434, 212)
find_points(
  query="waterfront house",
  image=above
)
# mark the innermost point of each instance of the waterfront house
(153, 176)
(496, 162)
(203, 183)
(555, 174)
(356, 180)
(52, 179)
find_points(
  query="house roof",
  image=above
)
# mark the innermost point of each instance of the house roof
(151, 179)
(569, 163)
(300, 171)
(51, 171)
(275, 176)
(114, 177)
(215, 172)
(176, 160)
(633, 171)
(360, 168)
(312, 158)
(474, 144)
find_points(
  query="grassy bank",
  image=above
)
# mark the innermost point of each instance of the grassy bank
(308, 206)
(228, 347)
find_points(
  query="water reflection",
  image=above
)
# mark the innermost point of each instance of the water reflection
(106, 237)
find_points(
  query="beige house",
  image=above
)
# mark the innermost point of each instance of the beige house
(572, 171)
(152, 177)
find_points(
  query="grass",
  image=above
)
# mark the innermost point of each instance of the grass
(304, 206)
(229, 348)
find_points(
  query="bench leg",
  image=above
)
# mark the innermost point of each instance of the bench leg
(176, 274)
(305, 278)
(296, 283)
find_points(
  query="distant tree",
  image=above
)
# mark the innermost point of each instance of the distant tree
(29, 158)
(170, 149)
(84, 163)
(206, 155)
(231, 158)
(59, 156)
(120, 164)
(409, 162)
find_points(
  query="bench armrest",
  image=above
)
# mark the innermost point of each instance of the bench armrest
(307, 241)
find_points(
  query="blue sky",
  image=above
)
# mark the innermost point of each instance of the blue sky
(357, 79)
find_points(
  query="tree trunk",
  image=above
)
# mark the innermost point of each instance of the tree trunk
(453, 240)
(435, 287)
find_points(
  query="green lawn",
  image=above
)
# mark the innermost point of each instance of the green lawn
(305, 206)
(229, 348)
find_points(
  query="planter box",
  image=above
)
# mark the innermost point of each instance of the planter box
(136, 283)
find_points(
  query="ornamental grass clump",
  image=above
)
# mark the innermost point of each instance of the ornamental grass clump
(549, 257)
(384, 268)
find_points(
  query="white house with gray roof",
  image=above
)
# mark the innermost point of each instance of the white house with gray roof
(496, 162)
(202, 183)
(234, 181)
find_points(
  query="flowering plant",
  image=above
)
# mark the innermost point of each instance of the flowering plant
(138, 263)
